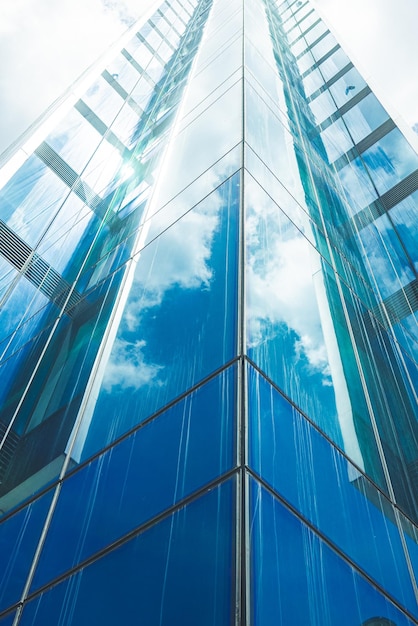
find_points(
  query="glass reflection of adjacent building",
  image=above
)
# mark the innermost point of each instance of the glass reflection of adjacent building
(208, 350)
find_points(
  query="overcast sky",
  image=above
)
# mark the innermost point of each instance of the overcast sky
(46, 44)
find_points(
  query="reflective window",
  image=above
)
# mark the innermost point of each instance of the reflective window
(124, 73)
(186, 447)
(333, 64)
(323, 47)
(19, 536)
(365, 117)
(179, 321)
(336, 140)
(286, 305)
(358, 188)
(331, 493)
(103, 100)
(177, 572)
(389, 160)
(298, 579)
(403, 217)
(218, 129)
(31, 198)
(384, 257)
(74, 140)
(323, 106)
(347, 87)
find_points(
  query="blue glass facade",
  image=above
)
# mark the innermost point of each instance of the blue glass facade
(208, 346)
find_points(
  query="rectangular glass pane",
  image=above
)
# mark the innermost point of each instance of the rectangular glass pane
(177, 572)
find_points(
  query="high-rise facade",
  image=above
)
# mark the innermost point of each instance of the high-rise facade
(208, 338)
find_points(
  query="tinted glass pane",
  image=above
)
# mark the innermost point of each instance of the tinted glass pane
(175, 454)
(179, 321)
(390, 160)
(297, 579)
(403, 217)
(286, 310)
(177, 572)
(19, 536)
(331, 493)
(31, 198)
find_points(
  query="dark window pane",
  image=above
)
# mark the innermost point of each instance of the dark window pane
(298, 579)
(298, 462)
(175, 454)
(177, 572)
(19, 536)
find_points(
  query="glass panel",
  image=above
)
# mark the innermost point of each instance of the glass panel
(389, 160)
(19, 536)
(322, 106)
(287, 310)
(177, 453)
(177, 572)
(336, 140)
(388, 267)
(72, 222)
(179, 322)
(365, 117)
(31, 198)
(298, 462)
(74, 140)
(358, 188)
(124, 73)
(322, 47)
(404, 219)
(347, 87)
(333, 64)
(218, 129)
(211, 77)
(298, 579)
(103, 100)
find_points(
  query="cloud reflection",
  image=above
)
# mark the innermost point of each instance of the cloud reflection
(280, 268)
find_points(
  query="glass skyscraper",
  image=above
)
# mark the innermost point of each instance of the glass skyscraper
(208, 287)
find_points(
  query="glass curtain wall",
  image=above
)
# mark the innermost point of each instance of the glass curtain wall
(208, 351)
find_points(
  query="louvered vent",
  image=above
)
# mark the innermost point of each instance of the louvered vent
(68, 175)
(36, 269)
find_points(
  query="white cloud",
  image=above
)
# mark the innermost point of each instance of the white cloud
(281, 265)
(45, 46)
(185, 262)
(128, 369)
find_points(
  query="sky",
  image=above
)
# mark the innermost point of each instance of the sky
(45, 45)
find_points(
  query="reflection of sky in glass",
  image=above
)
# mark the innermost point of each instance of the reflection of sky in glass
(357, 185)
(333, 64)
(316, 586)
(75, 140)
(404, 218)
(178, 324)
(367, 115)
(30, 199)
(350, 79)
(384, 257)
(284, 330)
(390, 160)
